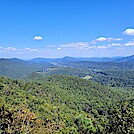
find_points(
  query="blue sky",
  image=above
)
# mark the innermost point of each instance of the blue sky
(58, 28)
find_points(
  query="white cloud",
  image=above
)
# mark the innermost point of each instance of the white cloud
(102, 47)
(114, 44)
(58, 48)
(130, 43)
(91, 45)
(38, 38)
(10, 49)
(1, 48)
(129, 31)
(27, 49)
(32, 49)
(77, 45)
(102, 39)
(115, 39)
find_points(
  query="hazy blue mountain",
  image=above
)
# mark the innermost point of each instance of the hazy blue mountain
(66, 59)
(70, 59)
(100, 59)
(41, 60)
(126, 59)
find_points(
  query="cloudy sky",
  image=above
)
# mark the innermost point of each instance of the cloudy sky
(58, 28)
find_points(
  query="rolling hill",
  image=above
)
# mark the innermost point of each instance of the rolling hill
(64, 104)
(16, 68)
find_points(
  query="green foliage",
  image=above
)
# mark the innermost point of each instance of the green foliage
(64, 104)
(16, 68)
(17, 120)
(85, 125)
(116, 78)
(121, 118)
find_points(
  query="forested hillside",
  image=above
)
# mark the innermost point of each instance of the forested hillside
(16, 68)
(64, 104)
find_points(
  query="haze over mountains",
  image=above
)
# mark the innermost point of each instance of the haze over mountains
(68, 58)
(95, 59)
(17, 68)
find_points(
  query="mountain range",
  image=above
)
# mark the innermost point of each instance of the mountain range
(17, 68)
(94, 59)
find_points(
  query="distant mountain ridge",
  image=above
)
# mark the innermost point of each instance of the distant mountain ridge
(126, 59)
(69, 58)
(17, 68)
